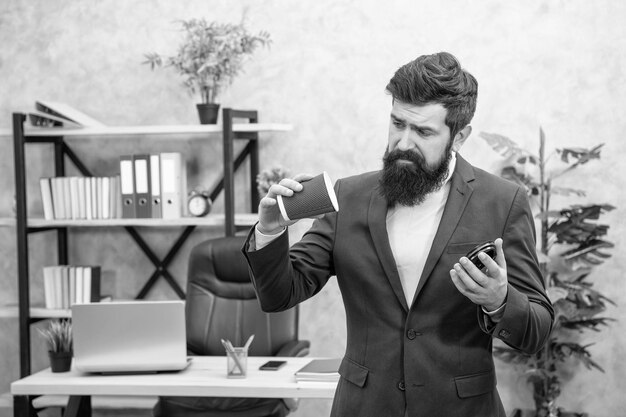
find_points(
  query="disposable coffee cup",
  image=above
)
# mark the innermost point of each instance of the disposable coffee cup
(316, 197)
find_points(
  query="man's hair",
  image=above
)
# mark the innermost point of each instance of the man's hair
(437, 78)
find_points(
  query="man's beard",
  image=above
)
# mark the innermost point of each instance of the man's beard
(409, 183)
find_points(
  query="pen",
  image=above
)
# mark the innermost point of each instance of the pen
(250, 339)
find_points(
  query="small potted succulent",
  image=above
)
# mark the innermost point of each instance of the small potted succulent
(209, 58)
(58, 337)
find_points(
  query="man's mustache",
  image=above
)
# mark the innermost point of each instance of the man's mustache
(418, 162)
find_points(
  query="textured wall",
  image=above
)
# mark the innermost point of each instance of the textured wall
(556, 64)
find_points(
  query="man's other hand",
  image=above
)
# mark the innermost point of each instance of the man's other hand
(486, 288)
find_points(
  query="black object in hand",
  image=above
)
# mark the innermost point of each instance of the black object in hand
(488, 248)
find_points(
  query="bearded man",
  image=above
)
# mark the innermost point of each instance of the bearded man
(421, 317)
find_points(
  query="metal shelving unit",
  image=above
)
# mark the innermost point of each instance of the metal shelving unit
(56, 137)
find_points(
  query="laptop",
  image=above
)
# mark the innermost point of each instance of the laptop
(129, 336)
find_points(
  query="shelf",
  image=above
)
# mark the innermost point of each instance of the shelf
(148, 130)
(35, 312)
(39, 312)
(212, 220)
(104, 402)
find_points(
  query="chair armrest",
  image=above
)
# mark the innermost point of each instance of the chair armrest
(295, 348)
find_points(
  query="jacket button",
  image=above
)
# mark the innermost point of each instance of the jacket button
(401, 386)
(412, 334)
(504, 334)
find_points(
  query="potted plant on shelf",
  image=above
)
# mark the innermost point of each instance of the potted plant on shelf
(209, 58)
(267, 177)
(58, 337)
(572, 244)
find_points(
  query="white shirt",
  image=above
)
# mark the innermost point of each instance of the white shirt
(411, 231)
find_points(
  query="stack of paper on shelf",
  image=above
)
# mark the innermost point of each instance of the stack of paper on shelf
(319, 370)
(65, 285)
(55, 114)
(40, 119)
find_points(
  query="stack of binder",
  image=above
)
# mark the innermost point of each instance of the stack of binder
(65, 285)
(80, 198)
(153, 185)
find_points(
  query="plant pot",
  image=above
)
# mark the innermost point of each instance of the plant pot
(208, 113)
(60, 361)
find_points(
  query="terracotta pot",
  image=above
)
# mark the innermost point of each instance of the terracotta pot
(208, 113)
(60, 361)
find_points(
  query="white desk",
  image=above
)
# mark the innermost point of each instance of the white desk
(205, 376)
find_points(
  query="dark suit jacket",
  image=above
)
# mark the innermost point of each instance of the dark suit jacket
(434, 357)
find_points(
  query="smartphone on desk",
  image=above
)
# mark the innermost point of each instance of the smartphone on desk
(272, 365)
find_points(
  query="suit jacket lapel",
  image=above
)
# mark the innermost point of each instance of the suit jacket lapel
(460, 192)
(377, 220)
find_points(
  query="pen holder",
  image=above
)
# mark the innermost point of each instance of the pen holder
(237, 362)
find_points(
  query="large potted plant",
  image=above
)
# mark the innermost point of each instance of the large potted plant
(571, 244)
(209, 57)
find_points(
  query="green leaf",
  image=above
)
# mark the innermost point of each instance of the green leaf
(563, 350)
(587, 323)
(573, 225)
(565, 191)
(505, 146)
(588, 247)
(549, 214)
(512, 356)
(511, 174)
(580, 155)
(556, 293)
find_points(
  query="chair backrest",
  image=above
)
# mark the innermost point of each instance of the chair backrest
(221, 303)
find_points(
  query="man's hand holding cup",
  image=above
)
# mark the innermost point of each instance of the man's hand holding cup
(304, 196)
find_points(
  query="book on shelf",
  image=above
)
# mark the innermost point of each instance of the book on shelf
(106, 197)
(67, 114)
(80, 198)
(46, 198)
(65, 285)
(58, 200)
(319, 370)
(75, 204)
(67, 197)
(98, 208)
(90, 198)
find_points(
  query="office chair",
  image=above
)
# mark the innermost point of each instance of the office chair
(221, 304)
